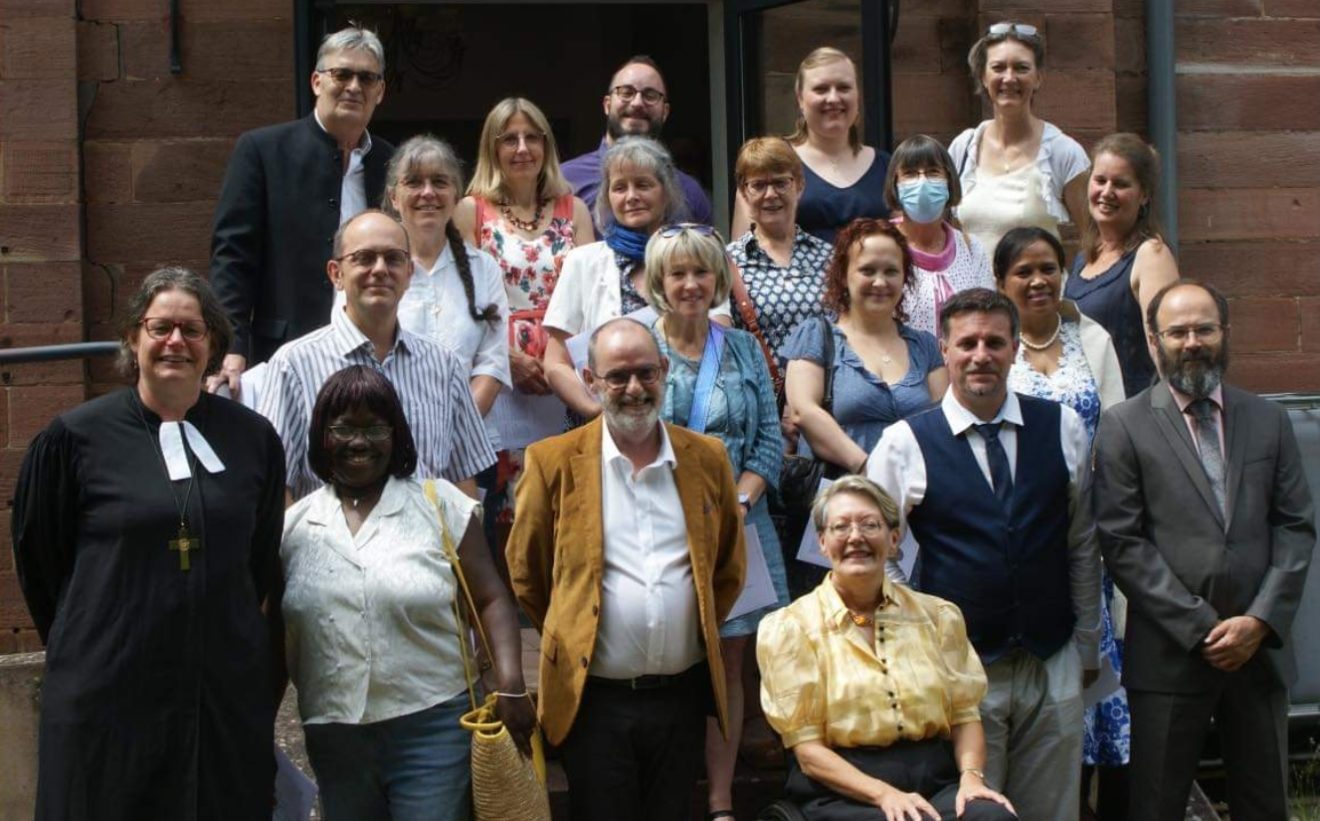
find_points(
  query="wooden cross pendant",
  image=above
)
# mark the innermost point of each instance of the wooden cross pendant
(185, 543)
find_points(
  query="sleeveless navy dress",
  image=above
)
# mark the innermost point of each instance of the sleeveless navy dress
(825, 208)
(1109, 301)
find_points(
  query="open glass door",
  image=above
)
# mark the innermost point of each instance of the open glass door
(764, 40)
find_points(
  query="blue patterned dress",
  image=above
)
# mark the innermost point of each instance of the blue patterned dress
(743, 415)
(1108, 725)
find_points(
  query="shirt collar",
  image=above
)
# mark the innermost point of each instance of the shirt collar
(325, 505)
(610, 453)
(836, 612)
(442, 263)
(960, 419)
(364, 144)
(348, 337)
(1183, 400)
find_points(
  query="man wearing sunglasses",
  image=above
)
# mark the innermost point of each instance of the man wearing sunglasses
(627, 553)
(635, 104)
(287, 190)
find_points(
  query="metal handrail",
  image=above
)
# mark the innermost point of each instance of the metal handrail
(1295, 401)
(52, 353)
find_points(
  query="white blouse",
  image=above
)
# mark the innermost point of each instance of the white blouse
(589, 292)
(369, 625)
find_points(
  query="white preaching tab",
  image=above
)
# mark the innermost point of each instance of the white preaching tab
(758, 590)
(176, 458)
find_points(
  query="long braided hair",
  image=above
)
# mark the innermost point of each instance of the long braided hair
(422, 156)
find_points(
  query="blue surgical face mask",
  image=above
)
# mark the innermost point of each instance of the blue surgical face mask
(923, 199)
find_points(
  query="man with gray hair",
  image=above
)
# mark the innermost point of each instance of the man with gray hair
(287, 190)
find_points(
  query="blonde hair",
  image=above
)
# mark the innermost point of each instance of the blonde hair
(488, 180)
(706, 251)
(821, 56)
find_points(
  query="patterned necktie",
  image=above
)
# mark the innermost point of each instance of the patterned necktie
(1207, 442)
(1000, 476)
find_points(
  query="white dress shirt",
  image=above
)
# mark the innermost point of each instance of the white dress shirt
(353, 188)
(649, 622)
(898, 465)
(369, 625)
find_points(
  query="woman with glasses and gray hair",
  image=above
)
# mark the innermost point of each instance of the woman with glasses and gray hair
(146, 532)
(874, 687)
(718, 383)
(639, 193)
(1015, 169)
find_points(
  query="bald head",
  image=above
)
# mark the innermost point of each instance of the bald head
(621, 333)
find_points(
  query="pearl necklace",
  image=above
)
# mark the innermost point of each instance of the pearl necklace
(1040, 346)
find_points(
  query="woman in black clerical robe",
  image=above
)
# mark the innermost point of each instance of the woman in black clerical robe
(146, 531)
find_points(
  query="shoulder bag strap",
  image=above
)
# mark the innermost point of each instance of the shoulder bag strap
(747, 312)
(827, 354)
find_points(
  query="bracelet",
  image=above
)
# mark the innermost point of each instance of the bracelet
(523, 694)
(974, 771)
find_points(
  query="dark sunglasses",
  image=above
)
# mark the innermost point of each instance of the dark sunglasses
(701, 230)
(344, 76)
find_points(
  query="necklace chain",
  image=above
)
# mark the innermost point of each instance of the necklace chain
(192, 465)
(521, 224)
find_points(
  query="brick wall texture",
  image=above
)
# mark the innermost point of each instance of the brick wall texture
(110, 164)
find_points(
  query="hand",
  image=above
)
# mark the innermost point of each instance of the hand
(1089, 677)
(231, 369)
(972, 788)
(1233, 642)
(528, 374)
(905, 806)
(519, 717)
(788, 426)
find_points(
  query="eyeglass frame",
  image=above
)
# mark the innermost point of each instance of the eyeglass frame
(868, 528)
(673, 229)
(526, 137)
(1203, 331)
(382, 433)
(182, 326)
(375, 255)
(659, 95)
(367, 80)
(647, 375)
(781, 185)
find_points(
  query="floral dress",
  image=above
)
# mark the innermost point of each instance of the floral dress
(1108, 725)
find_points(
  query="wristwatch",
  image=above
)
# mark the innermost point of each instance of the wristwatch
(745, 501)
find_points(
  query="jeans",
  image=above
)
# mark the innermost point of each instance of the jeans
(410, 768)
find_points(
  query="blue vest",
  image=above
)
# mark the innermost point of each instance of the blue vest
(1008, 573)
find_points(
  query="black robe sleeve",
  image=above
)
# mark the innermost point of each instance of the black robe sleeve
(44, 525)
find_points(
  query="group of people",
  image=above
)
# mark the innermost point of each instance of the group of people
(994, 423)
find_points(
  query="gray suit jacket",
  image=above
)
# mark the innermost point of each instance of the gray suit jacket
(1183, 565)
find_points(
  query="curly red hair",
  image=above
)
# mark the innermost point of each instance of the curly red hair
(846, 244)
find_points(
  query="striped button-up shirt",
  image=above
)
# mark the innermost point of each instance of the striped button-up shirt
(431, 382)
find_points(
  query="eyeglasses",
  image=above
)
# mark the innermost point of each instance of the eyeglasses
(779, 185)
(650, 96)
(510, 139)
(395, 259)
(344, 76)
(192, 329)
(1001, 30)
(674, 229)
(1208, 332)
(618, 380)
(868, 528)
(439, 182)
(347, 433)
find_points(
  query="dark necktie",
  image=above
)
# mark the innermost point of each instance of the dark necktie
(1207, 441)
(1000, 476)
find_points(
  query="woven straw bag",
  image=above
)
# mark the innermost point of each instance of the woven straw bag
(505, 786)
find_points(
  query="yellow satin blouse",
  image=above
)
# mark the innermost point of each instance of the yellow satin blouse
(821, 681)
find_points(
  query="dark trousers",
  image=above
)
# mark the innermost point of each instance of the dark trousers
(636, 754)
(1169, 732)
(923, 767)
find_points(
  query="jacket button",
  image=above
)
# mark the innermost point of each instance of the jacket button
(584, 662)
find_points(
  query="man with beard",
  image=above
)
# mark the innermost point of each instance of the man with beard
(627, 553)
(1206, 524)
(635, 104)
(994, 487)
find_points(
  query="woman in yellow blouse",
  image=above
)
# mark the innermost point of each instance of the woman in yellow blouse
(873, 686)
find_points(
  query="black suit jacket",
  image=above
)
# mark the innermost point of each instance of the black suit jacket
(274, 230)
(1182, 564)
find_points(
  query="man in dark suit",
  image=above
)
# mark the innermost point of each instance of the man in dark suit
(287, 190)
(1207, 526)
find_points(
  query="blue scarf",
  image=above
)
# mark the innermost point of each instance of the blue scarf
(626, 241)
